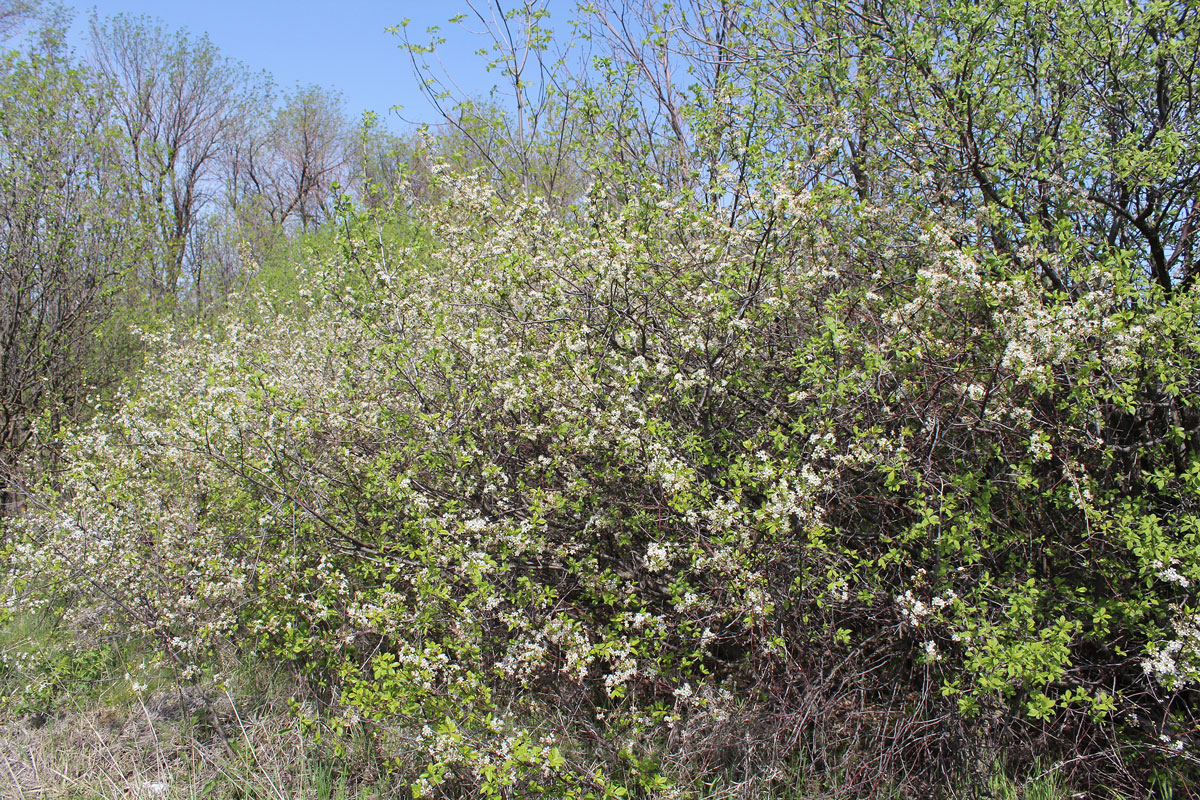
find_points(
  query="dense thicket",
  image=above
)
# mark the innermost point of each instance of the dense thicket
(841, 425)
(69, 226)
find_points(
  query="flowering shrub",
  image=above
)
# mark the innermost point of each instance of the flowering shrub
(603, 506)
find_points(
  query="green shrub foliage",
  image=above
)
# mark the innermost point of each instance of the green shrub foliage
(619, 500)
(677, 486)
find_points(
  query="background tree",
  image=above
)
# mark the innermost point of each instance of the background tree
(13, 14)
(283, 166)
(181, 105)
(306, 156)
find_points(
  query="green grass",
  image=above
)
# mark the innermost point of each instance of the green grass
(1044, 783)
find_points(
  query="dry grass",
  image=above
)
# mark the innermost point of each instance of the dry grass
(109, 753)
(166, 746)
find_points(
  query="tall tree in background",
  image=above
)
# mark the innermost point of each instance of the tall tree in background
(300, 153)
(280, 174)
(13, 14)
(311, 143)
(181, 104)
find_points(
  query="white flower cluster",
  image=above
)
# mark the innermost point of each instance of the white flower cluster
(656, 559)
(1175, 664)
(1170, 574)
(915, 611)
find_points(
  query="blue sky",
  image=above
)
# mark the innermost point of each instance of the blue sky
(342, 46)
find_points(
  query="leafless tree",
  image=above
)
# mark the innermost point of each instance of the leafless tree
(181, 105)
(284, 167)
(310, 137)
